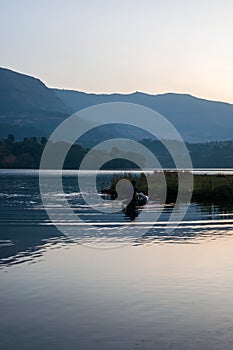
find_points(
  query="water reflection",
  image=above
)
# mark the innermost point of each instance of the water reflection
(26, 231)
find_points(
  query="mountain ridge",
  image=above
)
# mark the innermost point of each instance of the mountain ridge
(26, 103)
(141, 93)
(197, 120)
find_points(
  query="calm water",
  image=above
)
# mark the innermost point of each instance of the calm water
(159, 291)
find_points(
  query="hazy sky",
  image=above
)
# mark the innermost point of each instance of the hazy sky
(153, 46)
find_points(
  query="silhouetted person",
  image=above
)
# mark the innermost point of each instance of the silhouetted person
(135, 190)
(130, 209)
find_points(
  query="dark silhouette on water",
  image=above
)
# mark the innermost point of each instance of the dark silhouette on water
(131, 209)
(138, 200)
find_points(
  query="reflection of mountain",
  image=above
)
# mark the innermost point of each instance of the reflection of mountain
(29, 108)
(21, 216)
(21, 243)
(25, 235)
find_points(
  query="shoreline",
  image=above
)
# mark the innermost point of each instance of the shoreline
(210, 185)
(194, 171)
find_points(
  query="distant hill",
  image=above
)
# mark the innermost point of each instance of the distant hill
(196, 119)
(29, 108)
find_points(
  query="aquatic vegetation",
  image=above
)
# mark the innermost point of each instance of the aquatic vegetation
(206, 188)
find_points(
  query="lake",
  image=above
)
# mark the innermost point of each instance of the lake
(102, 290)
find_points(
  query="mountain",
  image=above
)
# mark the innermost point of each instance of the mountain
(28, 106)
(197, 120)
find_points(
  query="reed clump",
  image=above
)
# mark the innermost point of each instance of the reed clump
(206, 188)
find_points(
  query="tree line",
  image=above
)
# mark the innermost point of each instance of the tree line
(26, 154)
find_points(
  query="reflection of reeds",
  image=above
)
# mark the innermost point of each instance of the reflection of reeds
(206, 188)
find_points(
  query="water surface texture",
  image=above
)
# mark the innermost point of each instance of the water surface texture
(158, 291)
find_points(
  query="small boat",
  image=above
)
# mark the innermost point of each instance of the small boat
(142, 199)
(133, 208)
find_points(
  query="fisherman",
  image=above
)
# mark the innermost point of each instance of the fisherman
(131, 207)
(135, 190)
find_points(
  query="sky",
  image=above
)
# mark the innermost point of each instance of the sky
(106, 46)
